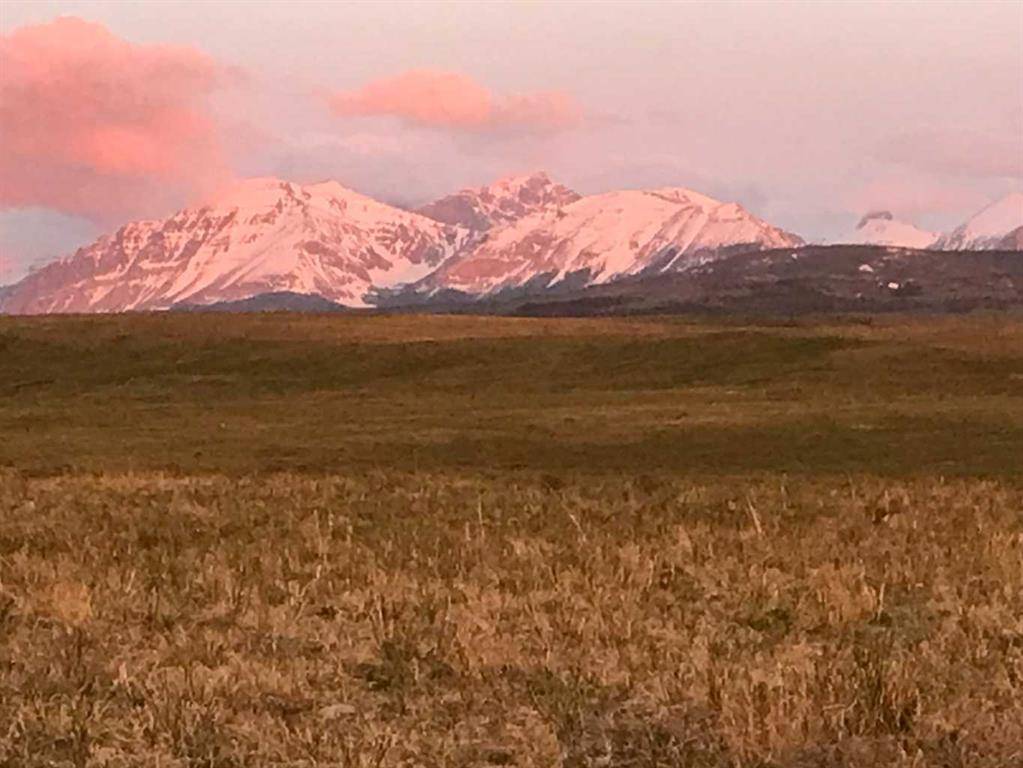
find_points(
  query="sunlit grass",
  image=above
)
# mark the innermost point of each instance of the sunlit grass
(392, 619)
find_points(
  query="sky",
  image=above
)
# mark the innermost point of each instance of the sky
(808, 113)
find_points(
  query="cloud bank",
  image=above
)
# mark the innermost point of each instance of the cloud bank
(96, 126)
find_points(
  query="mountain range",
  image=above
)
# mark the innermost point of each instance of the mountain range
(525, 235)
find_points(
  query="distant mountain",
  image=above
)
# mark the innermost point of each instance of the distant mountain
(882, 228)
(277, 301)
(605, 237)
(268, 245)
(260, 236)
(989, 228)
(502, 202)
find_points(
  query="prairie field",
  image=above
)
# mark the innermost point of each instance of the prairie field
(286, 540)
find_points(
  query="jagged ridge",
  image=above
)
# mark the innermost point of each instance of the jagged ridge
(503, 202)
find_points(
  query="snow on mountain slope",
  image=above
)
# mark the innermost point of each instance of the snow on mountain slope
(881, 228)
(500, 203)
(1012, 241)
(262, 235)
(601, 237)
(988, 228)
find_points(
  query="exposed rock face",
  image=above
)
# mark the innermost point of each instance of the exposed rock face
(503, 202)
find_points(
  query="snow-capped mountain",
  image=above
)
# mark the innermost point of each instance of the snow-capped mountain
(259, 236)
(1012, 241)
(269, 236)
(502, 202)
(988, 228)
(882, 228)
(602, 237)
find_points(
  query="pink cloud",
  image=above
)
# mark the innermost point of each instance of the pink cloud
(453, 101)
(93, 125)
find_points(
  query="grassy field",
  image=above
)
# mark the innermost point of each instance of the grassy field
(243, 394)
(427, 541)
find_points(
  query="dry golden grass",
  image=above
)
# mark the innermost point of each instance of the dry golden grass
(447, 619)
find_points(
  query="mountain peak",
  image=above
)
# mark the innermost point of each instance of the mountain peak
(880, 227)
(999, 217)
(987, 228)
(264, 192)
(256, 192)
(684, 195)
(502, 202)
(332, 188)
(517, 181)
